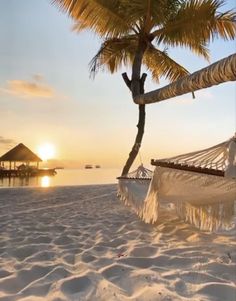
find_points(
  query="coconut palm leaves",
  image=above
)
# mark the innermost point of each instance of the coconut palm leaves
(134, 33)
(123, 24)
(161, 65)
(115, 52)
(197, 22)
(107, 18)
(114, 18)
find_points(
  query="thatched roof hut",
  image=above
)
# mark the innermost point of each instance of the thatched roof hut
(20, 153)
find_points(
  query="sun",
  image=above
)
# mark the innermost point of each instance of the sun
(46, 151)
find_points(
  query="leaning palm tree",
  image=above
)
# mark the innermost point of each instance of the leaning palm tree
(138, 32)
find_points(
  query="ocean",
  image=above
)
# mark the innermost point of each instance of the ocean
(65, 177)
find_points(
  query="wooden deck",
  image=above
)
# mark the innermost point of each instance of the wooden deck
(6, 173)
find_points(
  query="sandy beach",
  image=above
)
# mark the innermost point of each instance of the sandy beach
(81, 243)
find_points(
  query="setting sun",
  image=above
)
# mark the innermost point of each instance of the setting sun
(45, 181)
(46, 151)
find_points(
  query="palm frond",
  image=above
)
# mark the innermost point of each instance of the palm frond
(225, 26)
(114, 53)
(161, 65)
(149, 13)
(163, 10)
(122, 23)
(112, 18)
(197, 22)
(104, 17)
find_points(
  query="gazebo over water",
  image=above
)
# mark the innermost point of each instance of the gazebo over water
(22, 154)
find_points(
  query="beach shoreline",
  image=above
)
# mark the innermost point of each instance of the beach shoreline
(82, 243)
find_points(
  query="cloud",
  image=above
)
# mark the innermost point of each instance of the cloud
(38, 77)
(6, 140)
(35, 88)
(29, 89)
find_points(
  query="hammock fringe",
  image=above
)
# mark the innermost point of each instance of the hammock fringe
(207, 217)
(206, 201)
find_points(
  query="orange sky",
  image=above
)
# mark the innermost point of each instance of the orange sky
(46, 95)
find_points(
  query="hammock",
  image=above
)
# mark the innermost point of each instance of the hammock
(201, 185)
(132, 188)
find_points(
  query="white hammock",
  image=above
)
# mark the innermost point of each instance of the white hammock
(202, 186)
(132, 188)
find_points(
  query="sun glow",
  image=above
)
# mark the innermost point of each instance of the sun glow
(46, 151)
(45, 181)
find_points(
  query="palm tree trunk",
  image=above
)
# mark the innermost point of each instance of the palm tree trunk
(136, 85)
(138, 141)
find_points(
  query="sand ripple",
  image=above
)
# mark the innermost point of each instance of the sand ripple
(81, 243)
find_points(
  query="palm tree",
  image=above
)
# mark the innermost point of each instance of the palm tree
(138, 32)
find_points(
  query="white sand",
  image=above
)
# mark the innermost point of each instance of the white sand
(82, 243)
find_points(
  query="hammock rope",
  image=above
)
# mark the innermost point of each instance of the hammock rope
(201, 184)
(140, 157)
(211, 157)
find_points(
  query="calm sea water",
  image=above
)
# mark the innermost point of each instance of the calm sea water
(65, 177)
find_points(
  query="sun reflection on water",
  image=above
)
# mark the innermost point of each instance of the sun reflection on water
(45, 181)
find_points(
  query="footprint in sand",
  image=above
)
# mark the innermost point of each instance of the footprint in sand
(23, 278)
(143, 251)
(40, 240)
(69, 258)
(219, 292)
(39, 290)
(63, 240)
(88, 258)
(21, 253)
(42, 256)
(4, 273)
(138, 262)
(76, 285)
(115, 271)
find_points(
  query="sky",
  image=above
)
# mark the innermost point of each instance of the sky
(47, 95)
